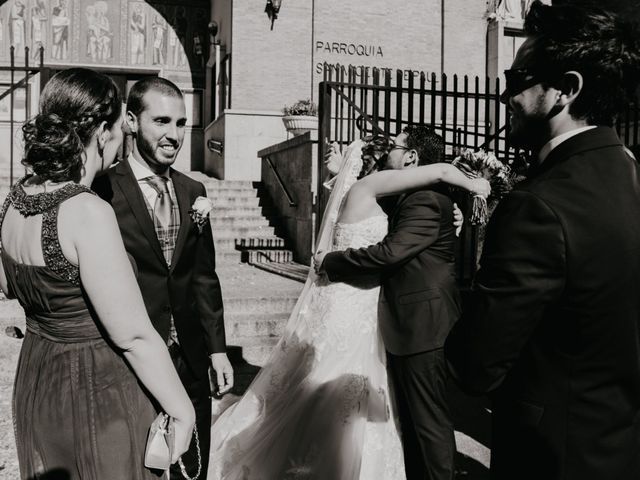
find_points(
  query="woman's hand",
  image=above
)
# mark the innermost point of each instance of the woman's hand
(333, 157)
(480, 186)
(458, 219)
(318, 258)
(183, 430)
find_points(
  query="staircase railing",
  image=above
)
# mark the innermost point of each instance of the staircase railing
(283, 187)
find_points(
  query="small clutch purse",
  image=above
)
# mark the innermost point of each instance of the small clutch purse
(160, 443)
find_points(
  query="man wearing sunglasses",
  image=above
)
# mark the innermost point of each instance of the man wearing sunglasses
(553, 332)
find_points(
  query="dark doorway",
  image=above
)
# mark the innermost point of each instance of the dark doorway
(124, 80)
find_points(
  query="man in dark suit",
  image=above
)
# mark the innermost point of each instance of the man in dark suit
(174, 256)
(419, 303)
(553, 329)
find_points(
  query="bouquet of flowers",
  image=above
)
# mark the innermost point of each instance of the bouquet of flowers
(482, 164)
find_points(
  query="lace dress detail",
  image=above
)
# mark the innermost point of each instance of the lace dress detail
(321, 408)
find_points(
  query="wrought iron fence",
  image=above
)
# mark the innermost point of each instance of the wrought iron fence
(466, 111)
(16, 82)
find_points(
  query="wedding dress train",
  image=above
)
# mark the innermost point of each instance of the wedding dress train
(322, 406)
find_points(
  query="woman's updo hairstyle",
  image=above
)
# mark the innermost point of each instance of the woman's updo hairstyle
(72, 105)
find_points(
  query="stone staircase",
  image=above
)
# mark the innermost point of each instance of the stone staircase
(244, 227)
(239, 219)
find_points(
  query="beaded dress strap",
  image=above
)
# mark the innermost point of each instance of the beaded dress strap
(51, 249)
(48, 204)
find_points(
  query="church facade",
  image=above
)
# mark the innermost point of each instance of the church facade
(239, 62)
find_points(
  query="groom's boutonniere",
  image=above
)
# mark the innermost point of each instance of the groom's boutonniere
(199, 212)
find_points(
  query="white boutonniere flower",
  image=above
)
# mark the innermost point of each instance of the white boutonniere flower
(199, 212)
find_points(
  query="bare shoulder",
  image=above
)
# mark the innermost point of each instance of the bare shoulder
(86, 209)
(359, 204)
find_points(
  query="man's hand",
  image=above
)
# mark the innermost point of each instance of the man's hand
(224, 372)
(318, 258)
(458, 219)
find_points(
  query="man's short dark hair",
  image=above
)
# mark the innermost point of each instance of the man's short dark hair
(424, 140)
(135, 101)
(601, 47)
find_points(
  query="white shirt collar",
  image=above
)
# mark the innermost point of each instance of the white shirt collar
(555, 141)
(141, 171)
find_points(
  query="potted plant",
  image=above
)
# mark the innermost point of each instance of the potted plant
(300, 117)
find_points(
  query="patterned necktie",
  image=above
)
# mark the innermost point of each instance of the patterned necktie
(163, 206)
(162, 210)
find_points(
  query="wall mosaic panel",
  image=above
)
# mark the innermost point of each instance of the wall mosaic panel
(169, 35)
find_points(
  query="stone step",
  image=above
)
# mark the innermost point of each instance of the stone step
(204, 178)
(267, 256)
(292, 270)
(240, 221)
(266, 304)
(242, 232)
(229, 244)
(228, 256)
(240, 325)
(230, 201)
(230, 192)
(260, 243)
(255, 350)
(219, 211)
(214, 182)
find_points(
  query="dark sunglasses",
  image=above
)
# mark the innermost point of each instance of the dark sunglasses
(519, 79)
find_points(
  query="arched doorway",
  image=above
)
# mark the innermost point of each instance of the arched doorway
(126, 39)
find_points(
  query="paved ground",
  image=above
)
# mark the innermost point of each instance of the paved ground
(9, 349)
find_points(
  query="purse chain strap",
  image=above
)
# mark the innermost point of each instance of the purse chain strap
(183, 469)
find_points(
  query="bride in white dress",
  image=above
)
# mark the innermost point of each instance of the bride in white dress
(322, 407)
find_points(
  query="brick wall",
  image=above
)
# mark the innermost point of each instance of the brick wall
(270, 67)
(276, 67)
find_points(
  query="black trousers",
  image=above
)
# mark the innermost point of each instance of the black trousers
(420, 382)
(199, 390)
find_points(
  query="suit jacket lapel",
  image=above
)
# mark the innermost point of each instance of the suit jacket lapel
(133, 196)
(598, 137)
(182, 194)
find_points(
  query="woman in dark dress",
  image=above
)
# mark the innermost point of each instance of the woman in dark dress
(90, 353)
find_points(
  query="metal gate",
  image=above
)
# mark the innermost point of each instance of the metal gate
(16, 90)
(465, 111)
